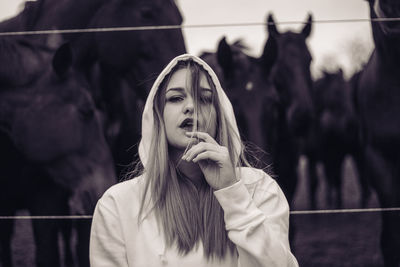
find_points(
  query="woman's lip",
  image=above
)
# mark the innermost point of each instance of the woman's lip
(185, 122)
(187, 128)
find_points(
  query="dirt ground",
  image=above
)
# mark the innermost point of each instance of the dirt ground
(336, 239)
(339, 239)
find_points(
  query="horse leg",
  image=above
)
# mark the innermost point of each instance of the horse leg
(46, 241)
(286, 168)
(333, 169)
(65, 227)
(390, 238)
(362, 177)
(47, 202)
(386, 182)
(329, 189)
(6, 230)
(313, 180)
(82, 246)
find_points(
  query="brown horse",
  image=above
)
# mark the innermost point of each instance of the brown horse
(378, 102)
(54, 157)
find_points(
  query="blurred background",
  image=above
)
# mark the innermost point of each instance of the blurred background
(314, 84)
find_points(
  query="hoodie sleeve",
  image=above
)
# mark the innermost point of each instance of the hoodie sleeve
(107, 246)
(258, 223)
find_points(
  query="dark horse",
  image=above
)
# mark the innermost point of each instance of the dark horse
(120, 65)
(292, 79)
(378, 102)
(54, 159)
(334, 135)
(126, 64)
(252, 94)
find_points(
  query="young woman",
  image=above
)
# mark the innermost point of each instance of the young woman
(197, 201)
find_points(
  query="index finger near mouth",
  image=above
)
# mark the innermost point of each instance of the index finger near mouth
(202, 135)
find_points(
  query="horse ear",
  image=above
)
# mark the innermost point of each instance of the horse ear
(62, 59)
(340, 71)
(307, 28)
(270, 54)
(224, 56)
(271, 25)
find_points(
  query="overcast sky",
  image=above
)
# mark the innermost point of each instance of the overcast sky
(330, 43)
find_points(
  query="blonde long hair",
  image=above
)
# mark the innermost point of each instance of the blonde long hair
(186, 214)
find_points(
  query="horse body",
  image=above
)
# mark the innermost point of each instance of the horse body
(378, 101)
(292, 79)
(128, 62)
(334, 135)
(55, 159)
(116, 65)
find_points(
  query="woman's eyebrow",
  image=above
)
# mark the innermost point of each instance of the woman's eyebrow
(178, 89)
(206, 89)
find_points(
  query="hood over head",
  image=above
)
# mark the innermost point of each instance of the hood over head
(148, 116)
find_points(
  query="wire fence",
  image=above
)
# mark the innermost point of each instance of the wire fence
(171, 27)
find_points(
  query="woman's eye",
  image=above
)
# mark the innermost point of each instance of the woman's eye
(174, 98)
(206, 99)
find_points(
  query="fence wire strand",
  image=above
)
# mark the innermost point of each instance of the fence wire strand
(293, 212)
(194, 26)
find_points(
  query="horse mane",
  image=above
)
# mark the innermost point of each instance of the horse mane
(205, 54)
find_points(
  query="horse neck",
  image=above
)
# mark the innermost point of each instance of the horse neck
(387, 45)
(296, 81)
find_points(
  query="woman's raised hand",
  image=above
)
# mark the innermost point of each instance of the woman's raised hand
(213, 159)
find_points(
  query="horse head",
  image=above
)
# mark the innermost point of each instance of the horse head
(251, 92)
(137, 55)
(291, 74)
(386, 9)
(53, 123)
(127, 63)
(386, 32)
(336, 118)
(25, 58)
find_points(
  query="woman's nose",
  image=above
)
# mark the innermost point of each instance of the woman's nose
(189, 106)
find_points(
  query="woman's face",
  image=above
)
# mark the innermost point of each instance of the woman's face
(179, 108)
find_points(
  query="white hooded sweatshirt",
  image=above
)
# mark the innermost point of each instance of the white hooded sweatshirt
(256, 213)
